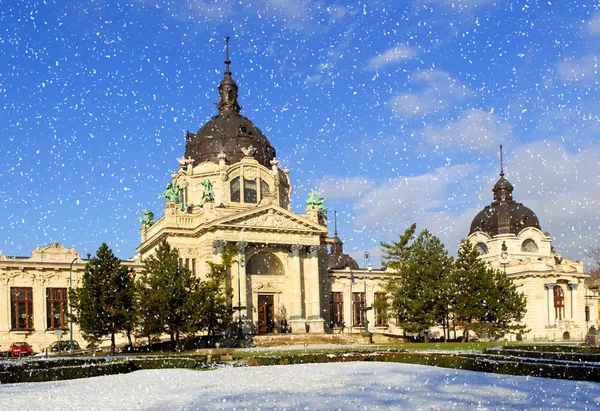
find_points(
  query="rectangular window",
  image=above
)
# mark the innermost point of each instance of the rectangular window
(337, 309)
(380, 317)
(194, 267)
(358, 302)
(57, 307)
(181, 262)
(250, 191)
(187, 263)
(21, 300)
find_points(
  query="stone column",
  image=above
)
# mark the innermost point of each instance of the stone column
(572, 288)
(298, 322)
(4, 306)
(313, 283)
(39, 308)
(550, 293)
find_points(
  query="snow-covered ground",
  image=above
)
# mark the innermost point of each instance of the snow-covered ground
(334, 386)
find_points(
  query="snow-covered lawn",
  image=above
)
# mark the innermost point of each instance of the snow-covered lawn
(343, 386)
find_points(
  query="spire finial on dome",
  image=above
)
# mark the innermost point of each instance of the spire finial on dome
(335, 223)
(501, 164)
(228, 90)
(227, 61)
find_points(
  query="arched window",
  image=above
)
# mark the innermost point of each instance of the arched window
(529, 246)
(481, 248)
(264, 263)
(264, 188)
(250, 191)
(235, 189)
(559, 302)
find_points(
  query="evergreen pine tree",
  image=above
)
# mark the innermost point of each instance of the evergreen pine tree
(485, 300)
(212, 303)
(103, 304)
(164, 293)
(418, 293)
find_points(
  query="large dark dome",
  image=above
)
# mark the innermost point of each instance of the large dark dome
(228, 132)
(504, 215)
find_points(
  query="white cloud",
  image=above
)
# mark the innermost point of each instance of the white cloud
(437, 91)
(391, 56)
(561, 187)
(592, 26)
(579, 70)
(426, 199)
(462, 5)
(475, 130)
(336, 188)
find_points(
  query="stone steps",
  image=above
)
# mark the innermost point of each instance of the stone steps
(272, 340)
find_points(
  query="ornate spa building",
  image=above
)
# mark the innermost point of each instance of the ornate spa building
(229, 188)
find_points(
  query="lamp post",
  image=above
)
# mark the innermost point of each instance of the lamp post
(366, 333)
(70, 306)
(239, 307)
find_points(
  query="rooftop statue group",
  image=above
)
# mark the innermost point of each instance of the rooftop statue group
(173, 194)
(314, 200)
(147, 219)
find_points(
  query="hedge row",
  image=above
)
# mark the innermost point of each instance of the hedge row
(68, 369)
(546, 355)
(471, 362)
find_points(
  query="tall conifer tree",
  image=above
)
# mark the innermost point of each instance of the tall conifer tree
(418, 293)
(485, 300)
(165, 294)
(103, 304)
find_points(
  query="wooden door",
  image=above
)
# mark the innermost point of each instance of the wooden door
(266, 314)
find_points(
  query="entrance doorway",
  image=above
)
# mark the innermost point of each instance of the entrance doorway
(266, 314)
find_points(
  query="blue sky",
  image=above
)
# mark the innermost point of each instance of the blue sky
(394, 110)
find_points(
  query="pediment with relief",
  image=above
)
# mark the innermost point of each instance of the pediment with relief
(270, 219)
(267, 288)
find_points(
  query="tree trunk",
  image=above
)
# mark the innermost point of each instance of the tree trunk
(129, 340)
(172, 340)
(444, 328)
(426, 336)
(149, 342)
(178, 348)
(466, 335)
(113, 346)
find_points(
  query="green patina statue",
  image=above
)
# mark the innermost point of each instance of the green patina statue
(207, 193)
(147, 219)
(173, 194)
(315, 201)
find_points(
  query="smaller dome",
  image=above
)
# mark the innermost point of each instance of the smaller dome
(337, 259)
(504, 215)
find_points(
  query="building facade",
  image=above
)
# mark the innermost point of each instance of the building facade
(230, 189)
(34, 296)
(508, 237)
